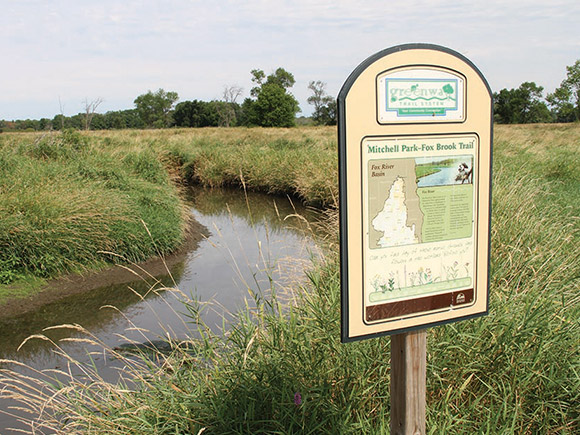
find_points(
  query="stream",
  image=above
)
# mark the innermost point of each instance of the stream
(252, 238)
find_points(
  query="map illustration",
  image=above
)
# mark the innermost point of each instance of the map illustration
(392, 219)
(419, 200)
(396, 218)
(420, 219)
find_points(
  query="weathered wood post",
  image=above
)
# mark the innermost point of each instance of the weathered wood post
(408, 377)
(415, 141)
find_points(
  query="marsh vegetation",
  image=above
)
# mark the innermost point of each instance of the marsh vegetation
(281, 368)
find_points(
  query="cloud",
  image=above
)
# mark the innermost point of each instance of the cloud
(117, 50)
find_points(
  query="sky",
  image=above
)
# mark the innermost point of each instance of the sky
(57, 54)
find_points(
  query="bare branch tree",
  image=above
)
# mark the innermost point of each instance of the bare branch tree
(232, 93)
(61, 107)
(226, 111)
(90, 109)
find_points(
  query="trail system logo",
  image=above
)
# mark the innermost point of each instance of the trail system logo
(421, 97)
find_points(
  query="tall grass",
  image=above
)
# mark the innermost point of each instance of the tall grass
(301, 162)
(281, 367)
(64, 201)
(67, 197)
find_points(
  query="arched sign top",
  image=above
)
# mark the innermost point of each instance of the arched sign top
(415, 136)
(403, 47)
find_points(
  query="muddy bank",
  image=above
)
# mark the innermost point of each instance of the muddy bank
(72, 284)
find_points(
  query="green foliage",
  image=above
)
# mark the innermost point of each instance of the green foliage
(64, 200)
(280, 77)
(324, 105)
(119, 119)
(248, 115)
(194, 114)
(565, 100)
(521, 106)
(273, 106)
(205, 114)
(154, 107)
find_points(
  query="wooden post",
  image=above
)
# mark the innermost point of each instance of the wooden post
(408, 374)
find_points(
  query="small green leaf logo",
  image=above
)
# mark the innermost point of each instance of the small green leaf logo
(448, 89)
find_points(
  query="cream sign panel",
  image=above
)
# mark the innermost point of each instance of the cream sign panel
(415, 137)
(420, 94)
(419, 224)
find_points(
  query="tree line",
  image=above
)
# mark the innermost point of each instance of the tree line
(271, 104)
(526, 104)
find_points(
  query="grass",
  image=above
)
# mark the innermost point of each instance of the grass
(65, 201)
(66, 198)
(301, 162)
(514, 371)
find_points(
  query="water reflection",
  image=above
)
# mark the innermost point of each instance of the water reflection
(253, 240)
(455, 171)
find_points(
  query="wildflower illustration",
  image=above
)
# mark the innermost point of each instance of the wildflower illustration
(379, 283)
(452, 271)
(424, 276)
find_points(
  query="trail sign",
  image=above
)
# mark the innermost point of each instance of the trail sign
(415, 141)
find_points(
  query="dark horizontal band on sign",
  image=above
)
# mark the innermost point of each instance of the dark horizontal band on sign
(419, 305)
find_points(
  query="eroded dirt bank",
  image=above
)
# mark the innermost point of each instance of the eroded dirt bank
(67, 285)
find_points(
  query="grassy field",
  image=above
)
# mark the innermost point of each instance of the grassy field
(65, 201)
(66, 198)
(282, 369)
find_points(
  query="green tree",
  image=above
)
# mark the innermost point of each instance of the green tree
(273, 106)
(154, 108)
(196, 113)
(248, 115)
(44, 124)
(120, 119)
(523, 105)
(565, 101)
(115, 120)
(324, 105)
(61, 122)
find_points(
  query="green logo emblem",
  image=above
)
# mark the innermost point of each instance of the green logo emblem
(421, 97)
